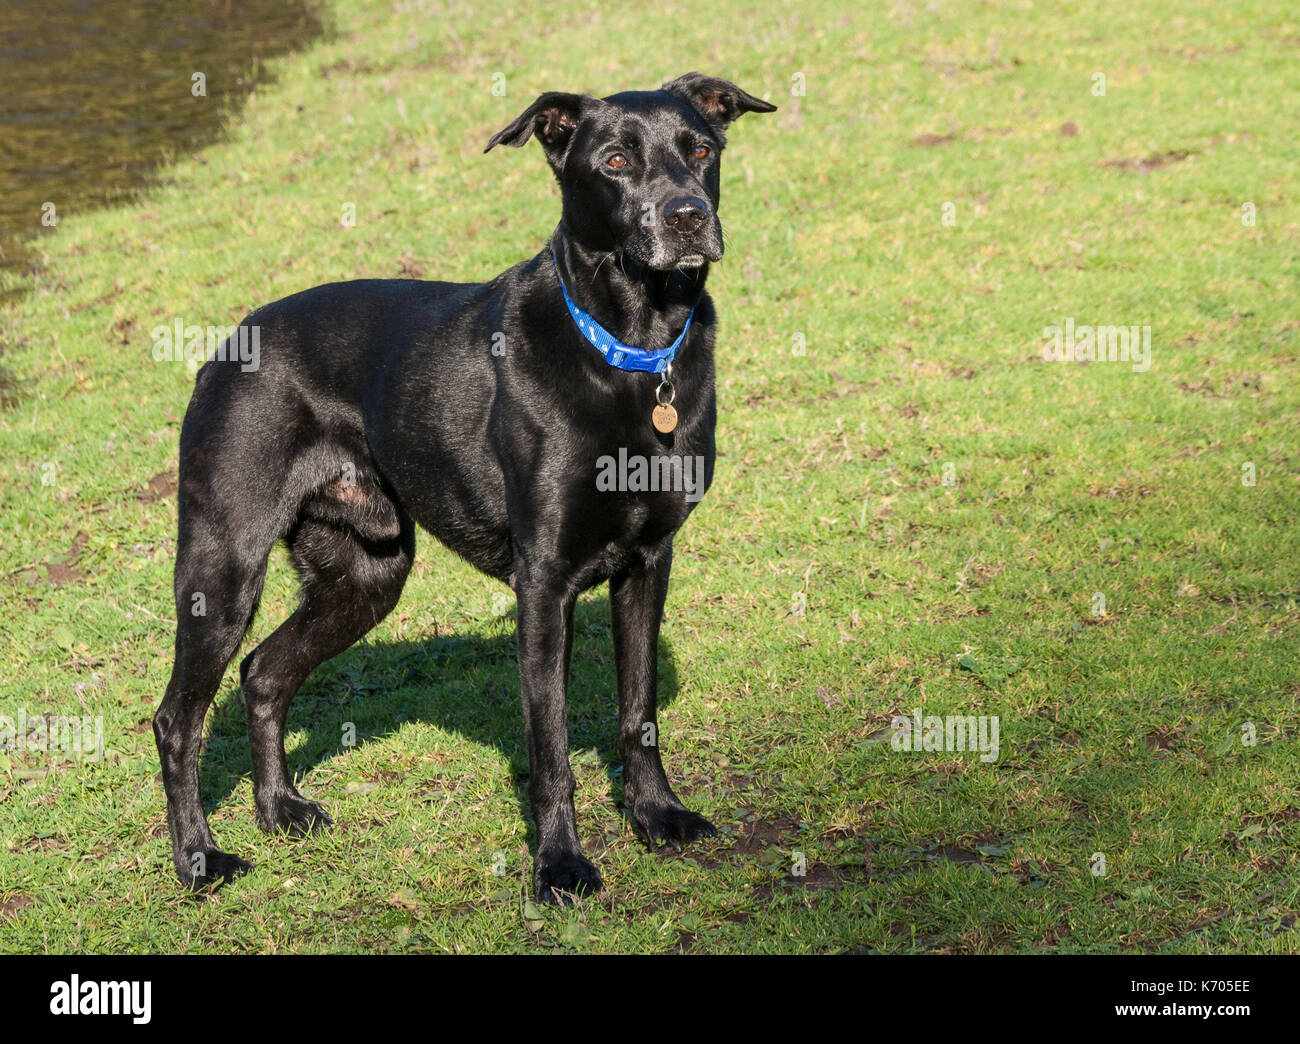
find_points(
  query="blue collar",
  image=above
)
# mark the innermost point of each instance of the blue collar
(616, 353)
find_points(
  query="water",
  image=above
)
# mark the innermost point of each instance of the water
(94, 94)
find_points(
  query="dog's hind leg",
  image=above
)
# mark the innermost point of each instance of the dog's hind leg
(348, 586)
(218, 583)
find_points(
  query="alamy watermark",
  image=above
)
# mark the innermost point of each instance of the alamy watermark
(1071, 343)
(69, 733)
(950, 732)
(179, 342)
(634, 473)
(72, 996)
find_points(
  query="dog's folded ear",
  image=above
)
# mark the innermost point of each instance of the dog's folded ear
(718, 101)
(553, 117)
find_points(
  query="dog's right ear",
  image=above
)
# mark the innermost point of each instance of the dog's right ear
(553, 118)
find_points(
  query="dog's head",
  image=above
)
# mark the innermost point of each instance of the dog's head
(638, 171)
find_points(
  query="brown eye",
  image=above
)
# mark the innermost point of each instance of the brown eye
(701, 152)
(617, 161)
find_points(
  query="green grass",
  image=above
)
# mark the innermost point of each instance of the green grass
(1120, 733)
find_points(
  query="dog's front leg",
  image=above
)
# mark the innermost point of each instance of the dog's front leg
(545, 630)
(637, 606)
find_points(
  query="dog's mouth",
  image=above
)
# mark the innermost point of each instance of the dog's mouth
(672, 257)
(688, 261)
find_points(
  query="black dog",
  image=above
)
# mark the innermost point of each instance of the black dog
(480, 411)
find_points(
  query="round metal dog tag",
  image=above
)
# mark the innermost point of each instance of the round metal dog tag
(664, 417)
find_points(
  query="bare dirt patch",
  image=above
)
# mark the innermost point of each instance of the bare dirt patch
(64, 570)
(929, 141)
(10, 907)
(1146, 164)
(160, 487)
(1162, 738)
(408, 267)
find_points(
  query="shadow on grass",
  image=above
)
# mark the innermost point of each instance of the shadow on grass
(467, 685)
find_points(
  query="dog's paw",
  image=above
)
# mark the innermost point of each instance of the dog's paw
(210, 866)
(294, 815)
(562, 877)
(673, 825)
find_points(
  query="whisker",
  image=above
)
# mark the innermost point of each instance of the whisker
(597, 272)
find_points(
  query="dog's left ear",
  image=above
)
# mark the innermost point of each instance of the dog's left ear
(553, 117)
(719, 102)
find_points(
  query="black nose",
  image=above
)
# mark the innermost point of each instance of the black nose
(686, 215)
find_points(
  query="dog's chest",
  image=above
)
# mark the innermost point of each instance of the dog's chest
(638, 529)
(640, 492)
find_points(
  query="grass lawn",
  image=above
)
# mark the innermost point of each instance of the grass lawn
(913, 507)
